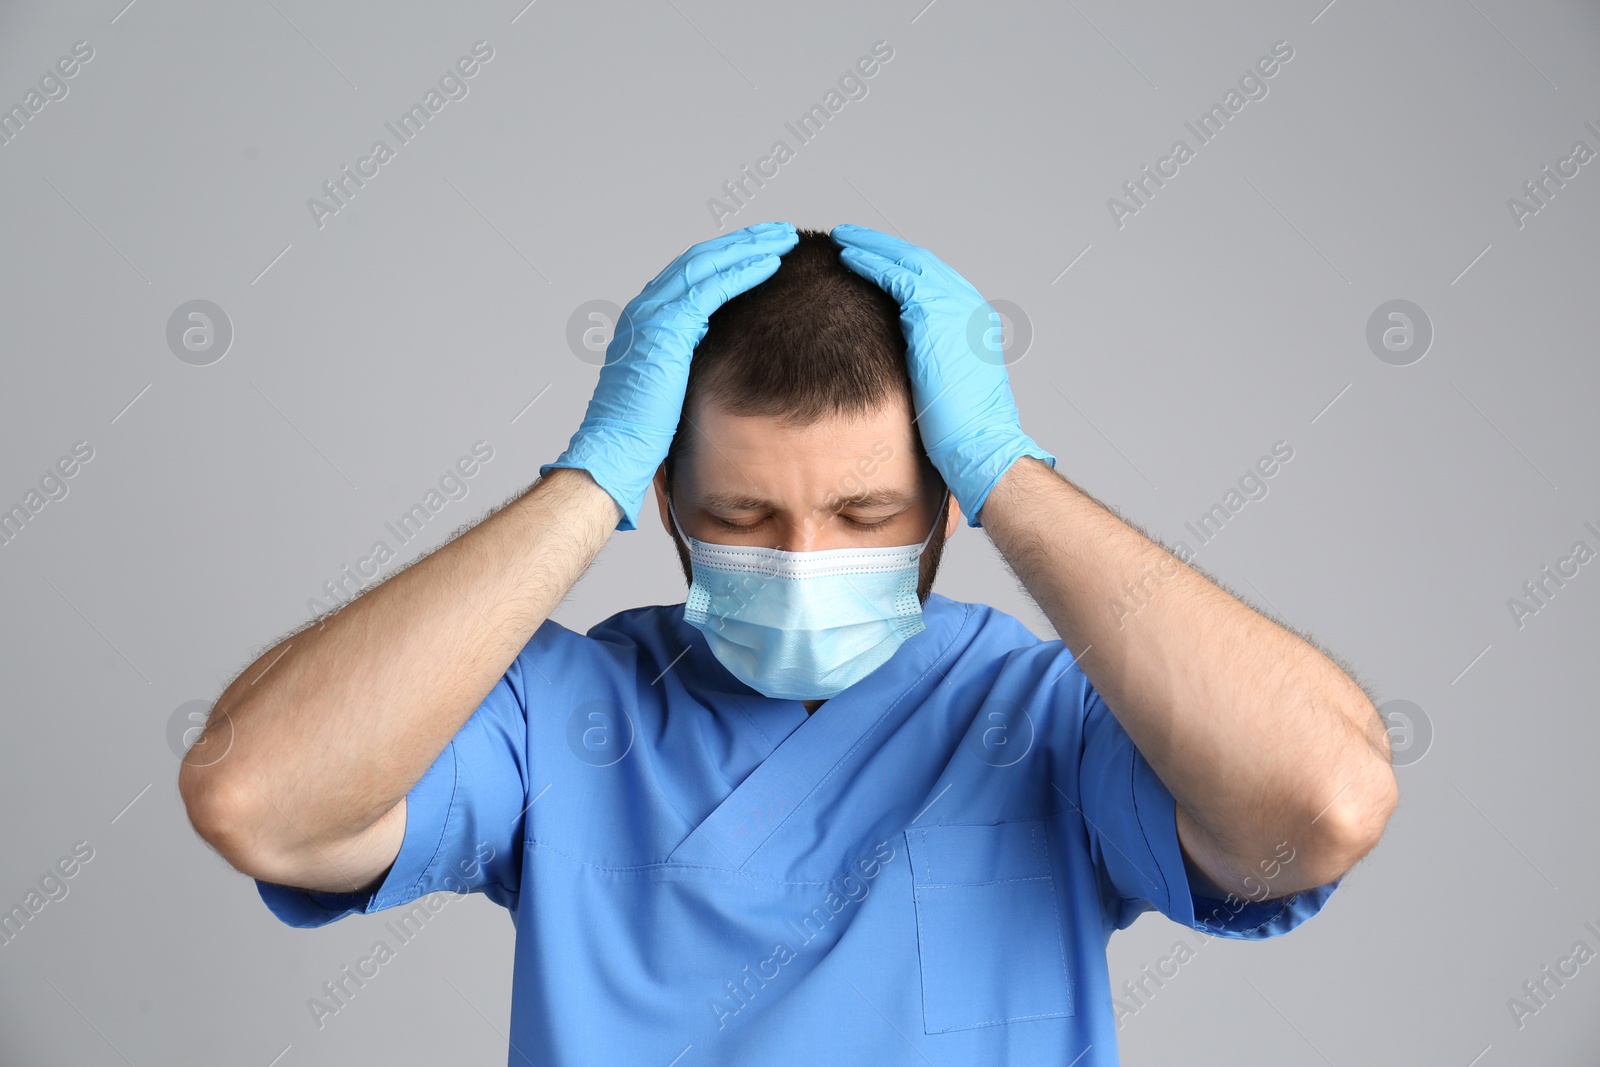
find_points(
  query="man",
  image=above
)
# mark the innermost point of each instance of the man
(817, 812)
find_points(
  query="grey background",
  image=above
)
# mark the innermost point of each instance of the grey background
(368, 355)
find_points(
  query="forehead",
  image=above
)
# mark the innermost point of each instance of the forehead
(761, 458)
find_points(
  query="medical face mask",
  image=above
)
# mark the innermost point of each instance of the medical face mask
(803, 625)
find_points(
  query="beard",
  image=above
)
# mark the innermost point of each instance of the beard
(928, 565)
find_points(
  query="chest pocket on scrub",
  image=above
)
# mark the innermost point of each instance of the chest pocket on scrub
(988, 928)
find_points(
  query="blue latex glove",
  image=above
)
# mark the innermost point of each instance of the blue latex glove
(969, 424)
(634, 412)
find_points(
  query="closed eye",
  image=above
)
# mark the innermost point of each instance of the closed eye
(754, 525)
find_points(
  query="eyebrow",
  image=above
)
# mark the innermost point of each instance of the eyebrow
(873, 498)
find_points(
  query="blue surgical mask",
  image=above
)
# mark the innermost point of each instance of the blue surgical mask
(803, 625)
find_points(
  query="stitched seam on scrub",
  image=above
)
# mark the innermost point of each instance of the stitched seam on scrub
(1133, 767)
(1270, 919)
(455, 788)
(998, 1022)
(747, 717)
(664, 866)
(1055, 913)
(916, 908)
(997, 881)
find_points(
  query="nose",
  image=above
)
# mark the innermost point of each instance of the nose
(808, 535)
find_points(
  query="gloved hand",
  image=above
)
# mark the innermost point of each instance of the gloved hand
(969, 424)
(634, 412)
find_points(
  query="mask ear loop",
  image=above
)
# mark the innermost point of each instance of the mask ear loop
(937, 522)
(694, 543)
(674, 513)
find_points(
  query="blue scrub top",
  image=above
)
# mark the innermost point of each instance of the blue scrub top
(927, 869)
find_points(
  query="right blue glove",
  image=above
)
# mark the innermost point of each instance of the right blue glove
(633, 415)
(967, 417)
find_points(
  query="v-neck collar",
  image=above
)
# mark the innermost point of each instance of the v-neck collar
(805, 748)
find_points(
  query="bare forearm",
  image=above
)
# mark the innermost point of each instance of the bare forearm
(327, 731)
(1255, 732)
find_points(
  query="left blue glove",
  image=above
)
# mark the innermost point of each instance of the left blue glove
(634, 412)
(968, 423)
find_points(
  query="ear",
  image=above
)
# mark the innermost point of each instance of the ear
(660, 483)
(952, 522)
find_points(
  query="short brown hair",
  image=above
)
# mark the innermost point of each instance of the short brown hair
(814, 340)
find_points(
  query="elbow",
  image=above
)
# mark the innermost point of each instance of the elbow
(1352, 827)
(212, 796)
(224, 813)
(214, 809)
(205, 789)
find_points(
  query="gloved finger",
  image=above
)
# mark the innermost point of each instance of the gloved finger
(938, 276)
(913, 257)
(700, 261)
(705, 296)
(754, 231)
(890, 275)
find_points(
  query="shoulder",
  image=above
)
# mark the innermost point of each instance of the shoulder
(995, 633)
(1000, 660)
(634, 626)
(635, 639)
(651, 625)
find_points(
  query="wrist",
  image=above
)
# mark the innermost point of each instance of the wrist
(571, 491)
(977, 468)
(620, 457)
